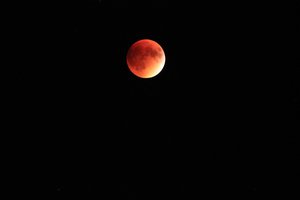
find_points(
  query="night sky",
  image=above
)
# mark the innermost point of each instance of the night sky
(218, 120)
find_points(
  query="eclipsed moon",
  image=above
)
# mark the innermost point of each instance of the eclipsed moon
(145, 58)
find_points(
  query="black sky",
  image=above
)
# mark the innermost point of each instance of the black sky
(218, 120)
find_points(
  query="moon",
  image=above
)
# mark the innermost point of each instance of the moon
(145, 58)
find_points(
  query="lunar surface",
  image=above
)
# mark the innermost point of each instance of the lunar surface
(145, 58)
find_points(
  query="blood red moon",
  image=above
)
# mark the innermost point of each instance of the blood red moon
(145, 58)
